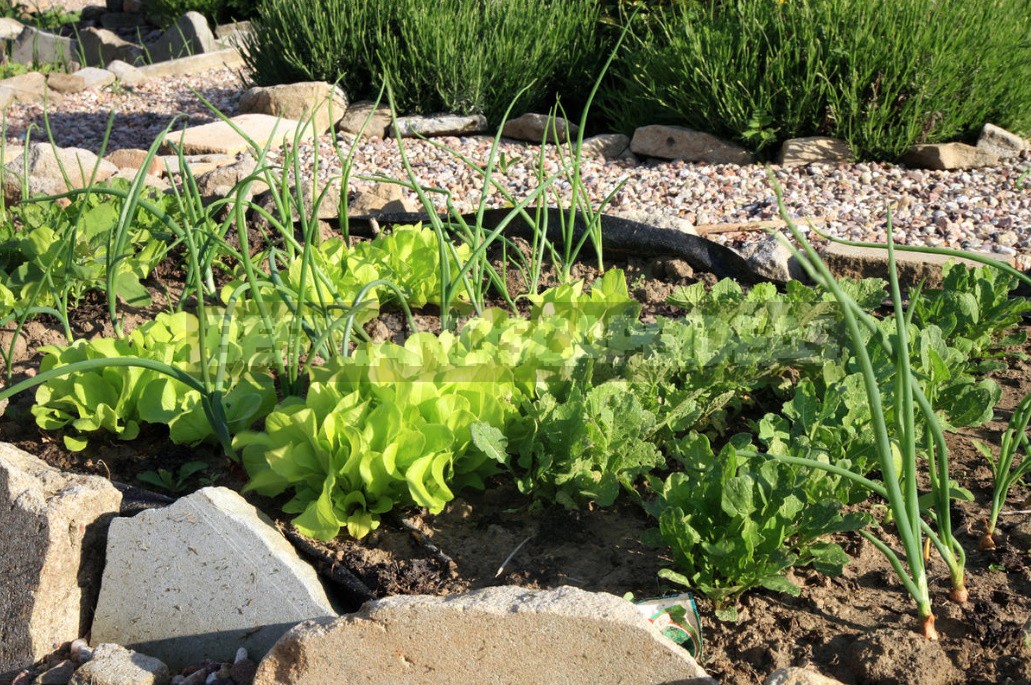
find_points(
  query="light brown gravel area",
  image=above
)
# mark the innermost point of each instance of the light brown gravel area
(984, 209)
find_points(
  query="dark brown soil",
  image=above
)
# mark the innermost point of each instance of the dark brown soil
(859, 628)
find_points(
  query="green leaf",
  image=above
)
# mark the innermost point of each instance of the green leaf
(490, 440)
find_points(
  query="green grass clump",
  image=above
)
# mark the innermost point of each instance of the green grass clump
(882, 74)
(464, 56)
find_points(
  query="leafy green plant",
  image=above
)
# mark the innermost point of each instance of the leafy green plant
(173, 482)
(734, 524)
(974, 308)
(390, 425)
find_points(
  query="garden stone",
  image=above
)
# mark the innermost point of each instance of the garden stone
(201, 578)
(190, 35)
(45, 171)
(195, 64)
(133, 5)
(506, 634)
(221, 183)
(382, 198)
(53, 525)
(126, 73)
(869, 262)
(33, 46)
(657, 219)
(30, 88)
(799, 676)
(298, 101)
(198, 164)
(947, 156)
(814, 150)
(234, 35)
(771, 259)
(355, 116)
(115, 665)
(439, 125)
(100, 47)
(608, 146)
(10, 28)
(134, 159)
(532, 128)
(220, 138)
(90, 78)
(150, 180)
(677, 142)
(1000, 142)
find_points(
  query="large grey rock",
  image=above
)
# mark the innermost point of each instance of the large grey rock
(201, 578)
(297, 101)
(33, 46)
(439, 125)
(195, 64)
(1000, 142)
(946, 156)
(190, 35)
(53, 527)
(116, 665)
(120, 21)
(100, 47)
(814, 149)
(221, 138)
(507, 635)
(677, 142)
(354, 120)
(534, 128)
(608, 146)
(799, 676)
(90, 78)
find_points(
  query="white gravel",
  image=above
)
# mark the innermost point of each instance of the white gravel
(983, 209)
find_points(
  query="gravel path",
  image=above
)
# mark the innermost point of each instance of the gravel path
(984, 209)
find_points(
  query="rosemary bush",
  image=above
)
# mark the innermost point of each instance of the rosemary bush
(466, 56)
(882, 74)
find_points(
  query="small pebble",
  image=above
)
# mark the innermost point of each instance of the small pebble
(80, 651)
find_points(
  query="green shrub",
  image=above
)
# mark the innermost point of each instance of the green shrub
(466, 56)
(215, 10)
(882, 74)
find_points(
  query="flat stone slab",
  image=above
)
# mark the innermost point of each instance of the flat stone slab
(316, 100)
(948, 156)
(814, 150)
(913, 267)
(201, 578)
(54, 525)
(195, 64)
(534, 128)
(439, 125)
(505, 635)
(221, 138)
(90, 78)
(677, 142)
